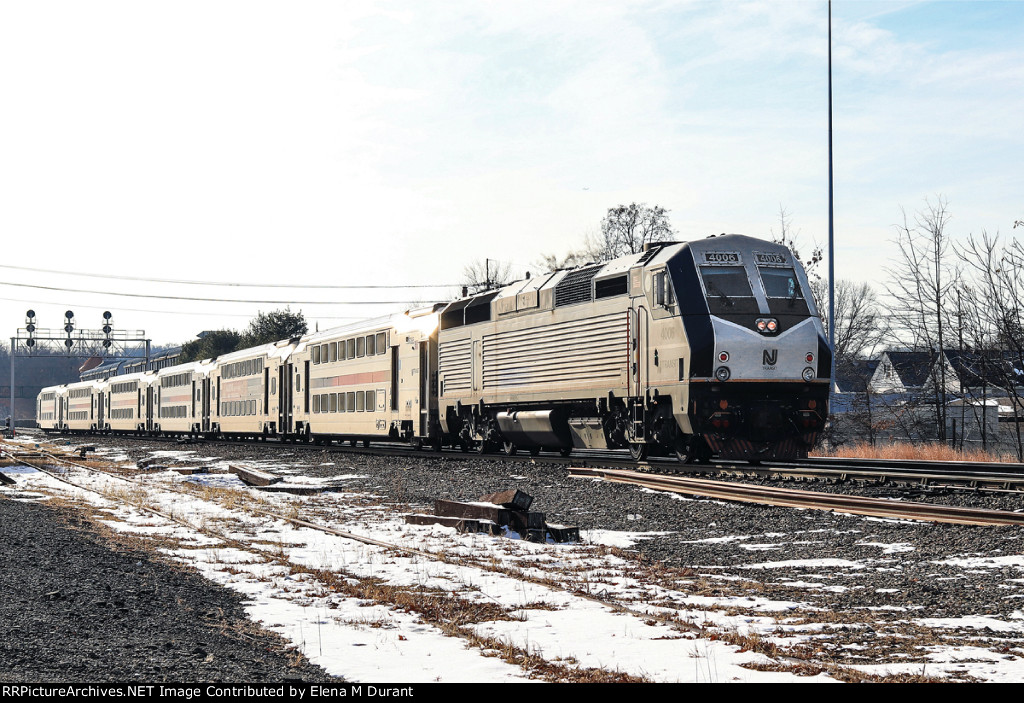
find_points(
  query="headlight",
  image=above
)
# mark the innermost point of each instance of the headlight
(808, 374)
(767, 325)
(722, 373)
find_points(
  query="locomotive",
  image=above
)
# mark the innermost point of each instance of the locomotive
(706, 348)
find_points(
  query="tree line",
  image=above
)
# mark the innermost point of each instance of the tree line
(265, 328)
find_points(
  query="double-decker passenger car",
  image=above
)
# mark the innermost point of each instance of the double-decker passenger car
(129, 403)
(371, 380)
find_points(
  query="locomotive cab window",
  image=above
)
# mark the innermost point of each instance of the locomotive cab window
(728, 290)
(664, 296)
(726, 281)
(780, 283)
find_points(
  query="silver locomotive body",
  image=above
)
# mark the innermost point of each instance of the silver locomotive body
(708, 347)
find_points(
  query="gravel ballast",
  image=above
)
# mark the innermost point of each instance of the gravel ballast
(75, 608)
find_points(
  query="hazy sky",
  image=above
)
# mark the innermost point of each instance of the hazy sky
(391, 143)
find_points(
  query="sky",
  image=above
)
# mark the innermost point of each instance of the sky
(393, 143)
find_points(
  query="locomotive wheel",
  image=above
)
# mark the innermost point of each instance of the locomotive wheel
(510, 448)
(638, 450)
(685, 449)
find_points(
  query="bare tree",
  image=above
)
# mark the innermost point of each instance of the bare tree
(860, 324)
(479, 276)
(993, 295)
(790, 238)
(627, 228)
(920, 280)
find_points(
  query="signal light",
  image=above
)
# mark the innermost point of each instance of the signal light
(810, 357)
(723, 356)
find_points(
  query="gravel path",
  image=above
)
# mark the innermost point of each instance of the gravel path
(75, 608)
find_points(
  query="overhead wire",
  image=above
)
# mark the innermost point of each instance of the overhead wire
(227, 283)
(220, 300)
(37, 303)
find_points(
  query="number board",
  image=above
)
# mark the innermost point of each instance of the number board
(770, 258)
(722, 258)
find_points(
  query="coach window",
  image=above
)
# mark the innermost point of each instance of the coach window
(350, 349)
(350, 402)
(371, 347)
(334, 402)
(371, 403)
(323, 353)
(360, 402)
(382, 342)
(334, 351)
(316, 403)
(360, 347)
(316, 355)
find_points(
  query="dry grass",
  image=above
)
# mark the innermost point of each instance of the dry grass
(918, 452)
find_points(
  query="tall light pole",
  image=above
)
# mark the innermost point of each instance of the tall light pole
(831, 219)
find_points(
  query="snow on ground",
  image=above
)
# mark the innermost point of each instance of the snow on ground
(538, 597)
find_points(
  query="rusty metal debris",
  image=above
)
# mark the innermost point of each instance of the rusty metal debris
(496, 513)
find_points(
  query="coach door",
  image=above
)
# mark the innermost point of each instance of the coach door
(204, 399)
(284, 382)
(98, 399)
(424, 386)
(149, 409)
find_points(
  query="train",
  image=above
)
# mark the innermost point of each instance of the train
(712, 348)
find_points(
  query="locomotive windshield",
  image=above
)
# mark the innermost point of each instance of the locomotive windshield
(727, 288)
(726, 281)
(780, 283)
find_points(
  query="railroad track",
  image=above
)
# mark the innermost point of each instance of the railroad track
(814, 500)
(938, 474)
